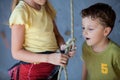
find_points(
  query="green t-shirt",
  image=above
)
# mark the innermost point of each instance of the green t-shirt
(104, 65)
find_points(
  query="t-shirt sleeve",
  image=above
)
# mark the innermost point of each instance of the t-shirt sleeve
(18, 16)
(117, 60)
(117, 66)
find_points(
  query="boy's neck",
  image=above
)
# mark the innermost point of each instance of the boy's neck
(101, 47)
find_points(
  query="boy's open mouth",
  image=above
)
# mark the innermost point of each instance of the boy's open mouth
(87, 38)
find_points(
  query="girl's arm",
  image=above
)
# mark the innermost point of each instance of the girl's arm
(84, 72)
(58, 36)
(61, 41)
(19, 53)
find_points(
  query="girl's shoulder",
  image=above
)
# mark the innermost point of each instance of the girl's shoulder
(21, 7)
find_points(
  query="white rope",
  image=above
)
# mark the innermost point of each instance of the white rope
(69, 43)
(72, 18)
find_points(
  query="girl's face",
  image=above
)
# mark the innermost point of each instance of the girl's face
(93, 32)
(40, 2)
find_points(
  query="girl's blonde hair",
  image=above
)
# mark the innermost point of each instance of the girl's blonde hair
(14, 3)
(49, 8)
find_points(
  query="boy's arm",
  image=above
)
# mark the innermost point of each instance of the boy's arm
(84, 72)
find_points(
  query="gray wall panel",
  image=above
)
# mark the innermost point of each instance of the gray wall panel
(63, 22)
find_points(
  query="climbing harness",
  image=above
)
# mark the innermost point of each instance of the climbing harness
(70, 43)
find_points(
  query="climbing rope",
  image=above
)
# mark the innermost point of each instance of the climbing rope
(70, 43)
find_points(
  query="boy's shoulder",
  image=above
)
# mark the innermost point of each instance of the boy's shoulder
(115, 47)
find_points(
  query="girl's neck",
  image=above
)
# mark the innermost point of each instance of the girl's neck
(32, 4)
(101, 47)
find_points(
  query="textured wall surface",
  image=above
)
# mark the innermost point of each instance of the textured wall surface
(63, 22)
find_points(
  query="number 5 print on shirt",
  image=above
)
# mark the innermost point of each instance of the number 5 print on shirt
(104, 68)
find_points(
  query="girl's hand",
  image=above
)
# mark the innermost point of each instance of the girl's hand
(58, 59)
(72, 52)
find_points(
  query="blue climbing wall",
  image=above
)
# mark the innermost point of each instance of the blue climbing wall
(63, 22)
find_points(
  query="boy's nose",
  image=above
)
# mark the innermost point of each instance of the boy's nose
(85, 33)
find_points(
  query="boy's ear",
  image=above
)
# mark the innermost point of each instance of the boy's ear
(107, 31)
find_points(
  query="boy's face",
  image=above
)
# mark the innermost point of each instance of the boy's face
(93, 32)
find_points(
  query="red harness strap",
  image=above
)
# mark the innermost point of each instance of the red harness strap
(35, 71)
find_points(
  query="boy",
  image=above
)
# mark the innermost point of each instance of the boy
(101, 56)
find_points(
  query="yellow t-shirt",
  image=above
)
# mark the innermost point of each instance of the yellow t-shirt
(39, 34)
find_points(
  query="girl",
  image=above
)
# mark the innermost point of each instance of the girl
(35, 39)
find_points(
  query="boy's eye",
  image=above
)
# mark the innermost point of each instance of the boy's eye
(83, 28)
(91, 29)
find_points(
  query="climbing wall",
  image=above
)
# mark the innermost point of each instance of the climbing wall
(63, 22)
